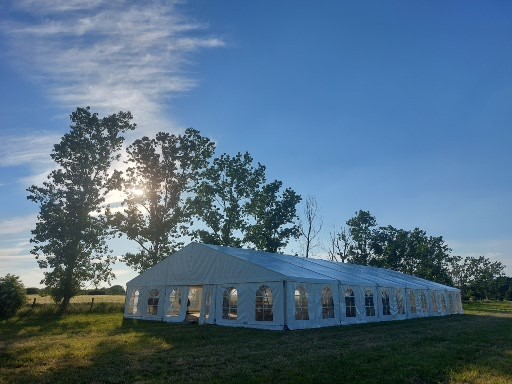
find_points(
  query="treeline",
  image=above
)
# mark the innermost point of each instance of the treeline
(172, 186)
(414, 252)
(113, 290)
(175, 187)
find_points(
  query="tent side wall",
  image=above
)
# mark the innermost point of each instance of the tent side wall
(235, 291)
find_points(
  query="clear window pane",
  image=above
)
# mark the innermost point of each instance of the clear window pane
(174, 303)
(230, 304)
(264, 305)
(350, 303)
(386, 308)
(327, 303)
(369, 305)
(301, 303)
(153, 302)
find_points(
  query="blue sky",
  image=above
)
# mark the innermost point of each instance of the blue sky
(401, 108)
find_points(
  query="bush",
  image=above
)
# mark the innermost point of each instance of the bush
(100, 291)
(12, 296)
(116, 290)
(32, 291)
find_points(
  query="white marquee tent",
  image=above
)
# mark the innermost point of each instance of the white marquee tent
(239, 287)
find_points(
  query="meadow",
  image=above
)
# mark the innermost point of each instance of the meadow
(95, 345)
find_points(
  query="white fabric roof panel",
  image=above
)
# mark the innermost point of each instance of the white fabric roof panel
(212, 264)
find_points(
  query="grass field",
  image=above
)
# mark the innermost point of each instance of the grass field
(78, 299)
(102, 348)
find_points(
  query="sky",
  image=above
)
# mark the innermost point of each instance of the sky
(400, 108)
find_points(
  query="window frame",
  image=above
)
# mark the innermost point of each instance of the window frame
(301, 303)
(369, 303)
(328, 303)
(174, 309)
(386, 306)
(264, 305)
(230, 304)
(400, 308)
(350, 303)
(412, 303)
(133, 303)
(153, 302)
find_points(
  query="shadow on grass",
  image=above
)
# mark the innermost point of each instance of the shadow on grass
(108, 349)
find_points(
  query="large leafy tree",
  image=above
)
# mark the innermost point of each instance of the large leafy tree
(275, 217)
(162, 174)
(71, 232)
(225, 189)
(412, 252)
(477, 277)
(360, 229)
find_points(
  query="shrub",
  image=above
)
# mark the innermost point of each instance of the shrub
(116, 290)
(100, 291)
(12, 296)
(32, 291)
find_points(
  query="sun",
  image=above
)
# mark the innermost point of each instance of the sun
(137, 192)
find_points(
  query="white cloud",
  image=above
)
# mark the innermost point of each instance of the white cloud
(26, 150)
(111, 55)
(17, 225)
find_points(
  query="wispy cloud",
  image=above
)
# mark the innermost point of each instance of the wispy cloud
(111, 55)
(17, 225)
(26, 150)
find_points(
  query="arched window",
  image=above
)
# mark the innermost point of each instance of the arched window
(230, 304)
(400, 302)
(386, 308)
(443, 302)
(369, 305)
(424, 303)
(264, 308)
(301, 303)
(174, 303)
(207, 305)
(153, 302)
(350, 303)
(412, 302)
(327, 303)
(435, 308)
(133, 303)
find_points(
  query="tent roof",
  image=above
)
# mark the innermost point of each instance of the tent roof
(213, 264)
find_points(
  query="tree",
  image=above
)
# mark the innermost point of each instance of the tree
(477, 277)
(222, 195)
(412, 252)
(115, 290)
(360, 229)
(310, 225)
(12, 296)
(275, 217)
(390, 246)
(156, 211)
(71, 231)
(340, 244)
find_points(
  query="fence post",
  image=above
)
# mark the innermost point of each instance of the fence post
(92, 303)
(34, 303)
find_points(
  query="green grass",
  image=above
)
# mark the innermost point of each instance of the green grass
(104, 348)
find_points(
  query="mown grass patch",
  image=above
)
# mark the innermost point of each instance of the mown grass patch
(104, 348)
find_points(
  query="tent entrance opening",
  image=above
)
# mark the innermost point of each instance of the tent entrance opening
(194, 303)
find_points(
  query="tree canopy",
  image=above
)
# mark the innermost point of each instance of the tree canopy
(71, 231)
(162, 174)
(222, 197)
